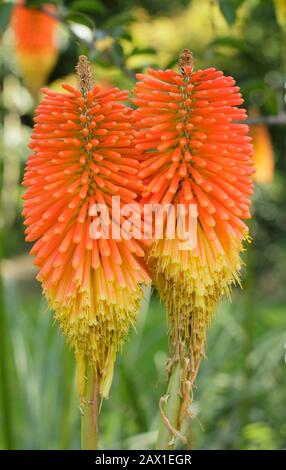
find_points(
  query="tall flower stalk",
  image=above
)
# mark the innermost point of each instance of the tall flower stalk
(83, 155)
(195, 151)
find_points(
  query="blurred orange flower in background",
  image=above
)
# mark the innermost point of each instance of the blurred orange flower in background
(35, 42)
(263, 151)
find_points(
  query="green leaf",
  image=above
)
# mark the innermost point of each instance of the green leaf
(127, 36)
(117, 54)
(80, 18)
(87, 6)
(228, 9)
(5, 14)
(172, 63)
(143, 50)
(40, 3)
(121, 19)
(280, 10)
(229, 41)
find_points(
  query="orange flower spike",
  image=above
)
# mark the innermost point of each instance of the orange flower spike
(93, 285)
(194, 150)
(36, 49)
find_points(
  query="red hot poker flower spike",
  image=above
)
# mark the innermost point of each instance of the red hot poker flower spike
(82, 156)
(196, 151)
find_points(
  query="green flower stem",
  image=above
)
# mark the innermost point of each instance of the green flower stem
(5, 395)
(67, 397)
(90, 413)
(5, 398)
(170, 407)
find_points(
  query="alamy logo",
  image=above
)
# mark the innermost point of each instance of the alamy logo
(147, 221)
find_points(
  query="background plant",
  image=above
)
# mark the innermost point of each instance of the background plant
(240, 393)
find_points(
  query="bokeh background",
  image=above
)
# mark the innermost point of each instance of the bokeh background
(239, 400)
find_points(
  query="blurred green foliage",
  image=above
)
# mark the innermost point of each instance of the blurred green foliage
(240, 394)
